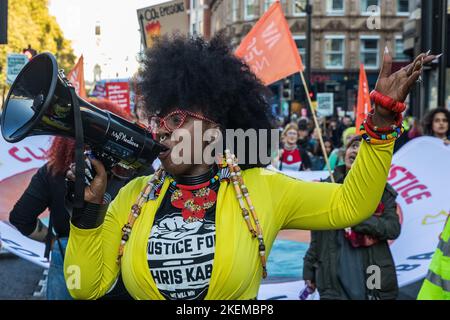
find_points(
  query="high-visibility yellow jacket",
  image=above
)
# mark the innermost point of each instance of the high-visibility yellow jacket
(281, 202)
(436, 285)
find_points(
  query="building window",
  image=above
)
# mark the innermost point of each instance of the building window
(334, 52)
(300, 41)
(196, 17)
(250, 9)
(234, 10)
(335, 7)
(268, 3)
(299, 8)
(369, 52)
(403, 7)
(399, 54)
(368, 5)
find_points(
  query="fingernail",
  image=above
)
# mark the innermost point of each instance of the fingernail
(88, 174)
(88, 163)
(428, 53)
(386, 49)
(439, 55)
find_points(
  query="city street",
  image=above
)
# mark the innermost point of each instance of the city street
(225, 150)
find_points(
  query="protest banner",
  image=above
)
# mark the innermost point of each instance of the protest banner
(163, 19)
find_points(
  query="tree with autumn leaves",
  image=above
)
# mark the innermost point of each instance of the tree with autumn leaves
(30, 23)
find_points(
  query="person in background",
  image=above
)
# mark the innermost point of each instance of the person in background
(347, 122)
(435, 124)
(318, 160)
(337, 155)
(292, 156)
(335, 130)
(337, 261)
(435, 285)
(304, 137)
(413, 129)
(47, 190)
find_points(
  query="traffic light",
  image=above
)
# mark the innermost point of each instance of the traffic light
(287, 89)
(29, 52)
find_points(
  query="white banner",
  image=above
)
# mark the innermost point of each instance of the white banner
(307, 175)
(420, 174)
(22, 156)
(14, 242)
(284, 291)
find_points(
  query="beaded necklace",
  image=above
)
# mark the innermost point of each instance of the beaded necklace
(136, 210)
(193, 200)
(242, 192)
(240, 188)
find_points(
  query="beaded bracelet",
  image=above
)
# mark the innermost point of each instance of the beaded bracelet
(398, 123)
(384, 137)
(375, 138)
(397, 132)
(375, 141)
(387, 102)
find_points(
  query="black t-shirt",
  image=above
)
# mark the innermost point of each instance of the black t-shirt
(181, 254)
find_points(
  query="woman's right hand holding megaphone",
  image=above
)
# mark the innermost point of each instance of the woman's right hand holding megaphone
(95, 179)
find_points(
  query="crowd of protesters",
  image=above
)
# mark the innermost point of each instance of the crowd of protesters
(338, 131)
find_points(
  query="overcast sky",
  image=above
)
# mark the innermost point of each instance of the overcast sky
(119, 43)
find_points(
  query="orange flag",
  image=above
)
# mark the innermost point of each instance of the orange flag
(364, 105)
(76, 77)
(269, 48)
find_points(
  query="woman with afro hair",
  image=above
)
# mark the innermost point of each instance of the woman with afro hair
(200, 230)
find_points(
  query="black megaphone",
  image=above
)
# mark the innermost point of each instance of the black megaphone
(40, 103)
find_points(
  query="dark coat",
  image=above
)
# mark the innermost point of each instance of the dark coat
(321, 262)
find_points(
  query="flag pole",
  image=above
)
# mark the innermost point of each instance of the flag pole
(316, 123)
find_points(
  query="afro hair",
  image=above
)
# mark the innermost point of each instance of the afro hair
(189, 73)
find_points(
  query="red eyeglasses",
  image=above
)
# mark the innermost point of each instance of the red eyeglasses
(174, 120)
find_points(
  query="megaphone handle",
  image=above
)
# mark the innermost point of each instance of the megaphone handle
(79, 151)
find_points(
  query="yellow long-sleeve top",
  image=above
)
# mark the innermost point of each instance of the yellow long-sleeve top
(281, 202)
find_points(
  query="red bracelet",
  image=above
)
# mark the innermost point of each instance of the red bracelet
(366, 127)
(387, 102)
(398, 123)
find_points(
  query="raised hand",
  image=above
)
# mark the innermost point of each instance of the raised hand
(399, 84)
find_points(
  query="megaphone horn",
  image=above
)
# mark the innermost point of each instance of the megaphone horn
(40, 103)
